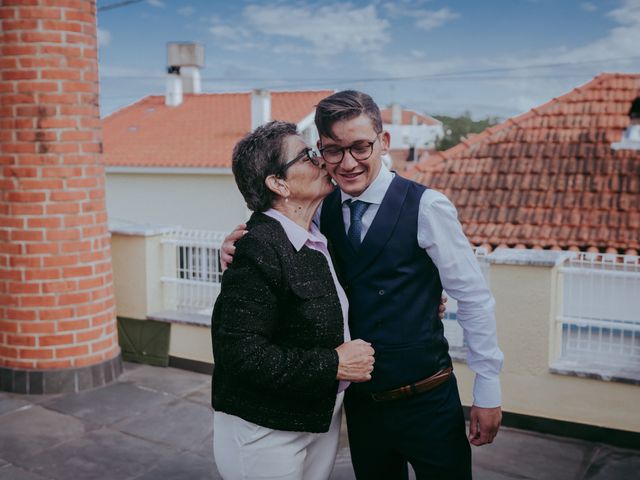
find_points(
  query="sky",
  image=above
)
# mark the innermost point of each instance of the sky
(489, 58)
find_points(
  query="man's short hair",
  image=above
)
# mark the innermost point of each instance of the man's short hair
(255, 157)
(345, 105)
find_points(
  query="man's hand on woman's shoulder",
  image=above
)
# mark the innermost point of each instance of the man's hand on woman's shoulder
(228, 248)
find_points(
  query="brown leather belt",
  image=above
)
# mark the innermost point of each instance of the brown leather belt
(410, 390)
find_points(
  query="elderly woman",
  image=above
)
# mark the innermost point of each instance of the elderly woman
(280, 340)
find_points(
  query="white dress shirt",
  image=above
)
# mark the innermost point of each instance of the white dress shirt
(441, 235)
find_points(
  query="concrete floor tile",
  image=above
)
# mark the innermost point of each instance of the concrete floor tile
(201, 395)
(480, 473)
(28, 431)
(183, 466)
(169, 380)
(109, 404)
(100, 455)
(11, 472)
(205, 448)
(179, 423)
(518, 454)
(10, 404)
(613, 464)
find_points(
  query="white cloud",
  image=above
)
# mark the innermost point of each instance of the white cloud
(224, 31)
(622, 40)
(430, 19)
(627, 13)
(424, 19)
(186, 11)
(156, 3)
(328, 30)
(589, 6)
(104, 37)
(232, 36)
(400, 8)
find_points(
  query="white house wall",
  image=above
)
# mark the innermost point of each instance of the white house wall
(200, 201)
(419, 136)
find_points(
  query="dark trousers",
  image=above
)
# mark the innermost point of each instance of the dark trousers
(427, 431)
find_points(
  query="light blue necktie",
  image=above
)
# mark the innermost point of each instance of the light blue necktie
(357, 207)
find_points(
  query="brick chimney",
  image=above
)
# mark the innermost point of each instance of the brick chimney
(57, 312)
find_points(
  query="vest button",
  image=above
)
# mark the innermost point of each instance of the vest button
(380, 292)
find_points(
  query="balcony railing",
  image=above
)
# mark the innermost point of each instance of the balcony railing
(191, 280)
(598, 319)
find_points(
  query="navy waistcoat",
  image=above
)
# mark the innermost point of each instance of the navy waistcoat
(393, 287)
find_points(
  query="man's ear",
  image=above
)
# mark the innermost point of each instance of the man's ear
(277, 185)
(385, 141)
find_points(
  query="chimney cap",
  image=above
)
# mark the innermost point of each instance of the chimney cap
(185, 54)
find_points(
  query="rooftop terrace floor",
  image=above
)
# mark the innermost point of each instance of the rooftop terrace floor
(156, 423)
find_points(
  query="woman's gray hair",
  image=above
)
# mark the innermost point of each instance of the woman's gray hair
(255, 157)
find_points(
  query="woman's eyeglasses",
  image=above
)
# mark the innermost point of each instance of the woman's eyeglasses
(308, 154)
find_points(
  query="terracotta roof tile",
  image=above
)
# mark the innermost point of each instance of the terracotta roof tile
(549, 177)
(199, 133)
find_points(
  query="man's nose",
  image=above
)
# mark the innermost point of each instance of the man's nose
(348, 162)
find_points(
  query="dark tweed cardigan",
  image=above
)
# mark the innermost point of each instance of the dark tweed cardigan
(275, 326)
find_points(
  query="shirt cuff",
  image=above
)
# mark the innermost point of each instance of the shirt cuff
(486, 392)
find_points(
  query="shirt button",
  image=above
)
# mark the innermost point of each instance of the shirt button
(380, 292)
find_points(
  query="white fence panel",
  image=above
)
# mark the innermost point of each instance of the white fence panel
(598, 322)
(192, 284)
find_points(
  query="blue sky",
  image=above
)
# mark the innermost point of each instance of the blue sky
(490, 57)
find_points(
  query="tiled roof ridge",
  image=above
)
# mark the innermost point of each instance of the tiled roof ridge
(209, 94)
(128, 106)
(535, 111)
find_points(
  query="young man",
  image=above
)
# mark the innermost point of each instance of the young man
(395, 245)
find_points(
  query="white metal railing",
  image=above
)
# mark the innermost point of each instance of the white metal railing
(598, 319)
(192, 273)
(452, 329)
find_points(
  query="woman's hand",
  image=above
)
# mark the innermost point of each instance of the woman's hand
(228, 248)
(355, 361)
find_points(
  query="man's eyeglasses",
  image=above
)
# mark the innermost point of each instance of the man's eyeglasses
(307, 154)
(360, 151)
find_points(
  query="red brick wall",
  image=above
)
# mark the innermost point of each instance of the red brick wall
(56, 297)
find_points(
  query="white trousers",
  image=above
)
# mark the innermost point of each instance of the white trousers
(244, 450)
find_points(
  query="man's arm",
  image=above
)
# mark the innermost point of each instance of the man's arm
(441, 235)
